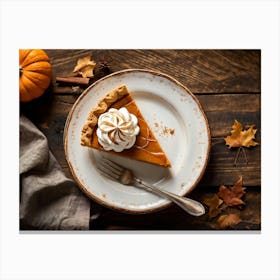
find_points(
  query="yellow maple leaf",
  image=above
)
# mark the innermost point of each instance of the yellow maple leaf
(239, 137)
(85, 67)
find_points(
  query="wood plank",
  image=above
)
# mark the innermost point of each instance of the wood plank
(221, 111)
(221, 169)
(203, 71)
(173, 218)
(49, 113)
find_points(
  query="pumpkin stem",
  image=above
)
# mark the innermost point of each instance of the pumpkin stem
(20, 70)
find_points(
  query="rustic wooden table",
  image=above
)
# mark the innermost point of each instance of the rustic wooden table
(226, 82)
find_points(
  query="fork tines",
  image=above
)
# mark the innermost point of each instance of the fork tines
(110, 169)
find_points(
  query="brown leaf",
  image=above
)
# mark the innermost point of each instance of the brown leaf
(213, 203)
(238, 188)
(232, 196)
(239, 138)
(228, 220)
(85, 67)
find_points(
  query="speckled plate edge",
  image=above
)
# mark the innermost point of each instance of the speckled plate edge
(107, 204)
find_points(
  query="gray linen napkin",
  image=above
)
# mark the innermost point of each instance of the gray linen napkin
(49, 200)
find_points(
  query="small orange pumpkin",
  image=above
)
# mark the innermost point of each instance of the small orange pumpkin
(34, 74)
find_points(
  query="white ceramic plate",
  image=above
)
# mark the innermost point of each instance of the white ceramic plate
(178, 122)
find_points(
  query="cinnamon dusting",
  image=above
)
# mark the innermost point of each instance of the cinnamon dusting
(163, 129)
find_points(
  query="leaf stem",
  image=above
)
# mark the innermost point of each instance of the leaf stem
(236, 156)
(245, 155)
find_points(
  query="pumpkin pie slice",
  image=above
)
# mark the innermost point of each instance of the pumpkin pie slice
(146, 147)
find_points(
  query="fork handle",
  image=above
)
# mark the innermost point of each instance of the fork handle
(191, 206)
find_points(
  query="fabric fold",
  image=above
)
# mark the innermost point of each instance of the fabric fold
(49, 200)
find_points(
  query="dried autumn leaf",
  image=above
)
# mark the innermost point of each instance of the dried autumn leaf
(239, 138)
(85, 67)
(232, 196)
(213, 203)
(238, 188)
(228, 220)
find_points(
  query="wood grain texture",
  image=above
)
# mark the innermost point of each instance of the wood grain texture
(203, 71)
(221, 111)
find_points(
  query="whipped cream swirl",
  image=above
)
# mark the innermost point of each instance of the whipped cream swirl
(117, 129)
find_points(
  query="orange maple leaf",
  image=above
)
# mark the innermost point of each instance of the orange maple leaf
(232, 196)
(241, 138)
(228, 220)
(213, 203)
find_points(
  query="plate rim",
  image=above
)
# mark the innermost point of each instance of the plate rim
(108, 204)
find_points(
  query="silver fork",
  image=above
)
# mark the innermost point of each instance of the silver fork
(125, 176)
